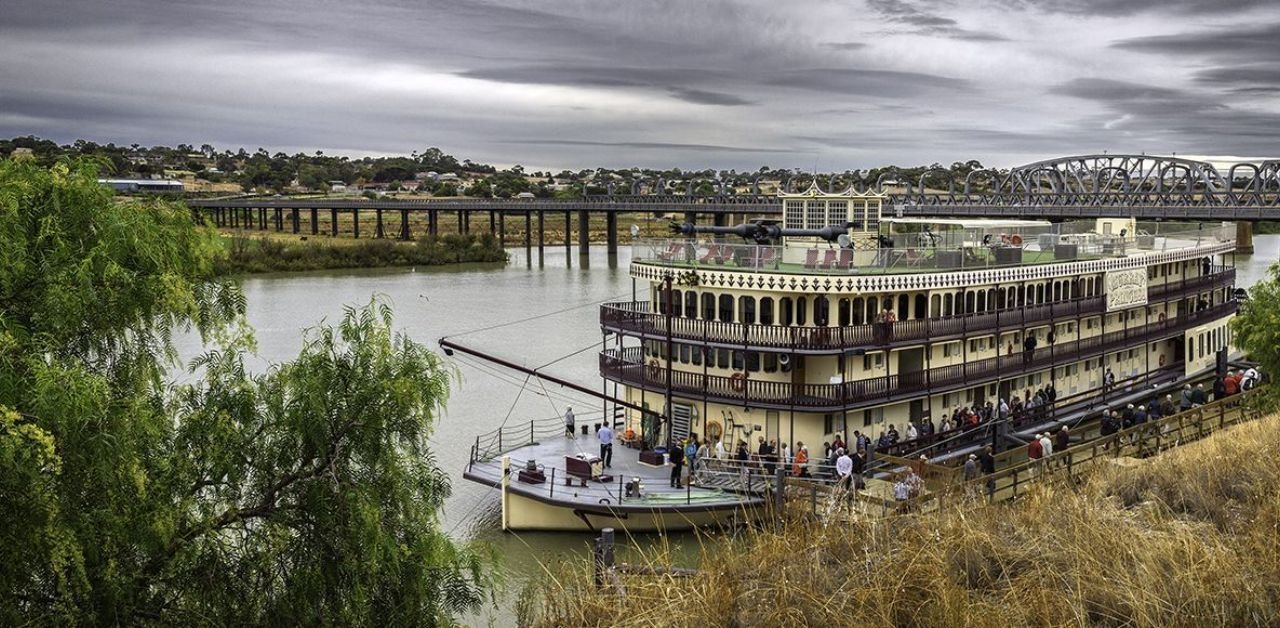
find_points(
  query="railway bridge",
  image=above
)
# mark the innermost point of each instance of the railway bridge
(1146, 187)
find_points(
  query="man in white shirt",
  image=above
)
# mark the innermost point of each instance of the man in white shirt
(720, 451)
(912, 432)
(606, 445)
(844, 465)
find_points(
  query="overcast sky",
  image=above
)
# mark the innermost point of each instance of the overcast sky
(688, 83)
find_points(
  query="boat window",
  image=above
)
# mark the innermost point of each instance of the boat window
(921, 307)
(821, 310)
(842, 313)
(935, 305)
(980, 304)
(708, 306)
(770, 362)
(737, 360)
(1040, 293)
(766, 310)
(785, 313)
(801, 306)
(747, 310)
(691, 304)
(726, 308)
(722, 358)
(684, 354)
(753, 361)
(696, 358)
(676, 300)
(969, 299)
(904, 302)
(873, 308)
(858, 313)
(947, 304)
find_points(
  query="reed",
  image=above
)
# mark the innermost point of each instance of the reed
(1188, 538)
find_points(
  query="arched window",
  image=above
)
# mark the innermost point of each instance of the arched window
(821, 310)
(676, 300)
(904, 302)
(921, 307)
(747, 310)
(766, 310)
(786, 312)
(708, 306)
(1040, 293)
(691, 304)
(801, 306)
(873, 308)
(947, 304)
(980, 302)
(935, 305)
(842, 313)
(991, 298)
(859, 312)
(969, 302)
(726, 308)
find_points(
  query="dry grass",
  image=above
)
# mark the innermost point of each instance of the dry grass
(1190, 538)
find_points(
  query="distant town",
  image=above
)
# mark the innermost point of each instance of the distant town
(208, 170)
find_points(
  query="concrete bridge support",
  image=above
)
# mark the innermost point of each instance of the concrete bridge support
(433, 222)
(378, 232)
(333, 222)
(611, 232)
(502, 229)
(584, 231)
(542, 230)
(464, 222)
(315, 221)
(296, 222)
(492, 222)
(404, 224)
(568, 232)
(528, 231)
(1244, 237)
(355, 223)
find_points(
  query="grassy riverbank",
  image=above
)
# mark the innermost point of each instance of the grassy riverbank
(1189, 538)
(273, 254)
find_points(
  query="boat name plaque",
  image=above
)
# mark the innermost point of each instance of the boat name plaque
(1126, 288)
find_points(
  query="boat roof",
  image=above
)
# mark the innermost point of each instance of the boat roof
(969, 223)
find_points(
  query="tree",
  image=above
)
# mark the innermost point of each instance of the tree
(1257, 330)
(307, 494)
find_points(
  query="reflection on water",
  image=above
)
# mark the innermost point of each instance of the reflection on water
(560, 288)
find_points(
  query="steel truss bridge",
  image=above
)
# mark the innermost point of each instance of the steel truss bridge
(1146, 187)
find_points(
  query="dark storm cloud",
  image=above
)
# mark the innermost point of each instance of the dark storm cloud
(1136, 98)
(903, 12)
(1239, 43)
(866, 82)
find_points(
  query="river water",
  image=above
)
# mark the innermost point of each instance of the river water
(554, 296)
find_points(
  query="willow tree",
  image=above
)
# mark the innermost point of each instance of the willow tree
(306, 494)
(1257, 331)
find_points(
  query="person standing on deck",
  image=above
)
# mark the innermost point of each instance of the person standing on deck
(1186, 402)
(771, 458)
(1166, 406)
(1063, 440)
(801, 466)
(691, 456)
(606, 445)
(987, 463)
(1035, 451)
(1108, 380)
(677, 464)
(1028, 348)
(970, 474)
(568, 422)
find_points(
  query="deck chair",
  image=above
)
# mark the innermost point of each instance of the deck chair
(768, 257)
(712, 252)
(672, 252)
(726, 254)
(828, 260)
(846, 259)
(811, 259)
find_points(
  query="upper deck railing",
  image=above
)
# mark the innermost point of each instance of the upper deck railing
(865, 258)
(628, 367)
(638, 318)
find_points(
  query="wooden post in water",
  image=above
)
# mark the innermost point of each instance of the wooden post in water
(602, 556)
(568, 231)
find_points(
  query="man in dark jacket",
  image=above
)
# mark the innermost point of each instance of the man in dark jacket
(677, 464)
(987, 463)
(1198, 397)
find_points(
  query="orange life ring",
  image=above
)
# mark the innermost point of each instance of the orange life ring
(1015, 240)
(1161, 359)
(738, 381)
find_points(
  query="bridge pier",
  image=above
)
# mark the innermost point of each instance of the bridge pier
(492, 222)
(279, 219)
(611, 232)
(568, 232)
(1244, 237)
(297, 224)
(262, 219)
(315, 221)
(404, 224)
(433, 222)
(464, 222)
(542, 230)
(584, 231)
(333, 222)
(528, 231)
(355, 223)
(377, 228)
(502, 229)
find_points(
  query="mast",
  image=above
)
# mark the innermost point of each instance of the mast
(450, 346)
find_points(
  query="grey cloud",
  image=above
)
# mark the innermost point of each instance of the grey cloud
(844, 45)
(703, 97)
(674, 81)
(653, 145)
(1116, 8)
(1136, 98)
(1241, 43)
(903, 12)
(863, 82)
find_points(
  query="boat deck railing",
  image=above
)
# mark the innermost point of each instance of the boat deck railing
(868, 257)
(491, 445)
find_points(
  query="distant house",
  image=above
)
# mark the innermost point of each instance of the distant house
(528, 195)
(137, 186)
(427, 176)
(448, 176)
(337, 186)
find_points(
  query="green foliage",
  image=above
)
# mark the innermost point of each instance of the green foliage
(260, 255)
(306, 495)
(1257, 330)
